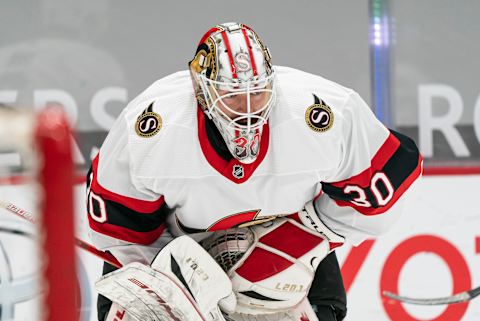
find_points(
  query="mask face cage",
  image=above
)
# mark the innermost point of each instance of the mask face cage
(239, 105)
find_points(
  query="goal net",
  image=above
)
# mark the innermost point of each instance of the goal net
(37, 258)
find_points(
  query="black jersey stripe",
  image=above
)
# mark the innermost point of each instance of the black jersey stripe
(404, 162)
(400, 169)
(123, 216)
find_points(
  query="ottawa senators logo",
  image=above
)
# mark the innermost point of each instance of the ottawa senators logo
(319, 116)
(242, 62)
(148, 123)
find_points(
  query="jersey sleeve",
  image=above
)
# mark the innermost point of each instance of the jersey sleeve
(124, 216)
(364, 196)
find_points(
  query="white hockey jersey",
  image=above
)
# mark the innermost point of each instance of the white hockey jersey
(322, 142)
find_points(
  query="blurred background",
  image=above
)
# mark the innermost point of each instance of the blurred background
(415, 62)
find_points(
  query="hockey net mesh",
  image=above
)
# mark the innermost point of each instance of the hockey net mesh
(36, 180)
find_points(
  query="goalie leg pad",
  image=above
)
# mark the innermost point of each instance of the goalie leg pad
(301, 312)
(183, 283)
(148, 295)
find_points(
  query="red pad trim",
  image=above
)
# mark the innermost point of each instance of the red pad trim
(250, 53)
(262, 264)
(226, 167)
(230, 57)
(126, 234)
(140, 206)
(291, 240)
(295, 217)
(333, 246)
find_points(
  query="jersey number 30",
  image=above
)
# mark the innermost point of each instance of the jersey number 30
(381, 198)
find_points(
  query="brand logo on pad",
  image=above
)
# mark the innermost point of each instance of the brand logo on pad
(319, 116)
(148, 123)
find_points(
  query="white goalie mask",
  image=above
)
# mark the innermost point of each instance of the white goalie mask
(234, 85)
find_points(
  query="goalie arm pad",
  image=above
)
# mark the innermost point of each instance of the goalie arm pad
(176, 287)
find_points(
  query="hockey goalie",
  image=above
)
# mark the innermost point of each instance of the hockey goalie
(224, 189)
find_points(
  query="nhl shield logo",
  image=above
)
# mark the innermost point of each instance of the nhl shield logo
(238, 171)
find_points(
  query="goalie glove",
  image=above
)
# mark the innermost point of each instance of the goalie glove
(308, 216)
(183, 284)
(277, 269)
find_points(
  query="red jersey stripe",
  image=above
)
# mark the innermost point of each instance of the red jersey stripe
(399, 192)
(397, 162)
(382, 156)
(140, 206)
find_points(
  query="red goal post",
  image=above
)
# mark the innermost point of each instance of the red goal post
(45, 138)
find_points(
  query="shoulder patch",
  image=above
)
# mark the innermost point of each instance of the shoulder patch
(319, 116)
(148, 123)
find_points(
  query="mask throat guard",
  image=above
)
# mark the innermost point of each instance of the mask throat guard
(243, 131)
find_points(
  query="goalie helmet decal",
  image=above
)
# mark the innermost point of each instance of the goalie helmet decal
(233, 80)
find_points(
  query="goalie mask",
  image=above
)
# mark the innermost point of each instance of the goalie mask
(234, 84)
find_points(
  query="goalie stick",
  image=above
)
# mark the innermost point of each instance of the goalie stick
(456, 298)
(107, 257)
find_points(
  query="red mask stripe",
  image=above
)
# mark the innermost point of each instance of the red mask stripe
(208, 34)
(250, 53)
(230, 57)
